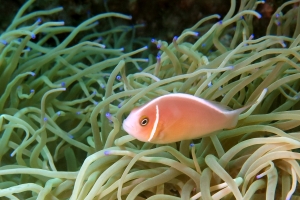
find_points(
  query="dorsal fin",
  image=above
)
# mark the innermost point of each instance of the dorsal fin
(219, 105)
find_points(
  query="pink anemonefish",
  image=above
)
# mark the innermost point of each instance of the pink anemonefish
(176, 117)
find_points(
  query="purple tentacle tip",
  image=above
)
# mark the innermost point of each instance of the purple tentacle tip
(258, 15)
(32, 91)
(278, 23)
(58, 113)
(175, 38)
(32, 36)
(45, 119)
(220, 22)
(63, 84)
(153, 40)
(258, 177)
(78, 112)
(106, 153)
(39, 20)
(32, 73)
(108, 115)
(3, 42)
(192, 144)
(118, 77)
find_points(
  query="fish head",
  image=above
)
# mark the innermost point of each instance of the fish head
(141, 122)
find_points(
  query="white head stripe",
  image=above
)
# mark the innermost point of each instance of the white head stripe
(155, 124)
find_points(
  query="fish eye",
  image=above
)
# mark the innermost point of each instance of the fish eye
(144, 121)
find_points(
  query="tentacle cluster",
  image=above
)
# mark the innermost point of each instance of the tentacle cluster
(62, 108)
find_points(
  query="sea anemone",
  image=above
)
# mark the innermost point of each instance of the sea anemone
(62, 107)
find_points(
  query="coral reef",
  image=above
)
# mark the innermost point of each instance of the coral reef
(63, 102)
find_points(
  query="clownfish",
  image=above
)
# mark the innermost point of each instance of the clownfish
(176, 117)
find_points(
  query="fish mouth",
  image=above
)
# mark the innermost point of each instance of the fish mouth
(130, 130)
(126, 127)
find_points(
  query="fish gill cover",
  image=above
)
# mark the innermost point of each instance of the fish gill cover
(62, 108)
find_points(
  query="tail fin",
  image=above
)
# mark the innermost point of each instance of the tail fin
(234, 115)
(254, 104)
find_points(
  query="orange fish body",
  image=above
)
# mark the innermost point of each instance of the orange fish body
(176, 117)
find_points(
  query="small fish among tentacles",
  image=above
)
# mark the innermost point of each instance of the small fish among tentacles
(176, 117)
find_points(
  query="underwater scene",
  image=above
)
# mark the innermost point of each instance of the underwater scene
(100, 100)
